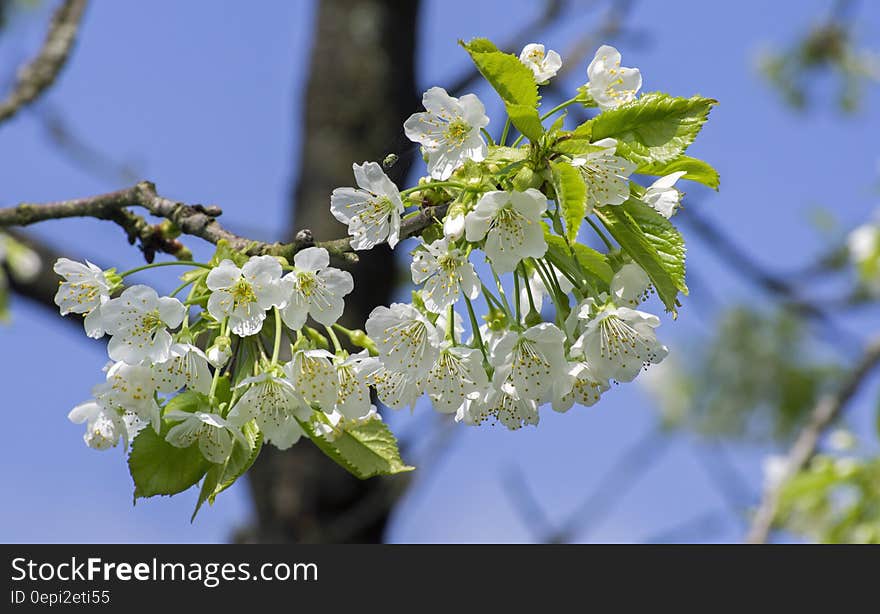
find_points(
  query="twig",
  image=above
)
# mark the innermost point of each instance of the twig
(40, 73)
(195, 220)
(826, 411)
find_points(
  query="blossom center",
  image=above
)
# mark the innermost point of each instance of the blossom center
(457, 131)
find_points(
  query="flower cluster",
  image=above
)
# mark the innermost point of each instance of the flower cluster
(512, 309)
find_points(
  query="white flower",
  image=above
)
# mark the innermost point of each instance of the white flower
(314, 288)
(776, 471)
(618, 341)
(629, 286)
(275, 405)
(508, 409)
(582, 387)
(511, 223)
(528, 363)
(612, 85)
(663, 196)
(446, 273)
(138, 321)
(214, 434)
(405, 339)
(130, 388)
(244, 294)
(371, 212)
(314, 377)
(605, 174)
(188, 366)
(396, 389)
(449, 132)
(353, 399)
(104, 426)
(457, 375)
(453, 226)
(863, 243)
(545, 65)
(84, 290)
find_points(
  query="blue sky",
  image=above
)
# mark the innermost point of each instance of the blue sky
(203, 99)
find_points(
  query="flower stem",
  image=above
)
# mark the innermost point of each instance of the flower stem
(478, 338)
(336, 345)
(504, 132)
(599, 232)
(559, 107)
(450, 325)
(276, 349)
(433, 184)
(180, 288)
(501, 293)
(489, 136)
(155, 265)
(194, 300)
(528, 287)
(516, 299)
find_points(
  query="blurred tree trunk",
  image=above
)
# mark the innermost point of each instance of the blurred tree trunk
(360, 90)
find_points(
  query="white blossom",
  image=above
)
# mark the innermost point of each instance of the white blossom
(138, 321)
(187, 366)
(511, 223)
(581, 386)
(663, 196)
(24, 263)
(457, 375)
(510, 410)
(84, 289)
(446, 273)
(396, 389)
(611, 84)
(130, 388)
(213, 433)
(245, 294)
(405, 339)
(618, 342)
(372, 210)
(353, 398)
(629, 286)
(315, 289)
(527, 363)
(104, 426)
(606, 175)
(275, 405)
(544, 64)
(314, 377)
(449, 131)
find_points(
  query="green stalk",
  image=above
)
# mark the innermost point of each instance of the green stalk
(156, 265)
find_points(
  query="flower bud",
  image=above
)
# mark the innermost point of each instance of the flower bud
(220, 353)
(453, 225)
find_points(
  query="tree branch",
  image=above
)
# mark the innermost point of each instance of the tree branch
(195, 220)
(826, 411)
(40, 73)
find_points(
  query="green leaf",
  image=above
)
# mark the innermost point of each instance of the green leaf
(513, 81)
(653, 243)
(158, 468)
(571, 195)
(655, 128)
(220, 477)
(695, 170)
(365, 449)
(591, 261)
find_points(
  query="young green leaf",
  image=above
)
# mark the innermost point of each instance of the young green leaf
(158, 468)
(365, 450)
(655, 128)
(220, 477)
(695, 170)
(571, 195)
(653, 243)
(513, 81)
(592, 262)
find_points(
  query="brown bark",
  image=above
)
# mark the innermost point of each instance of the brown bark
(360, 91)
